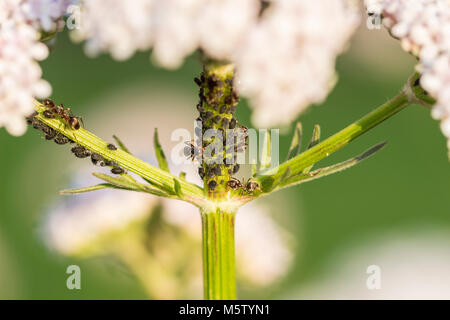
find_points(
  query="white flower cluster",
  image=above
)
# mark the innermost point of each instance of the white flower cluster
(20, 49)
(423, 27)
(285, 58)
(174, 28)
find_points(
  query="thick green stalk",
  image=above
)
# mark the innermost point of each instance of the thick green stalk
(217, 104)
(218, 254)
(158, 177)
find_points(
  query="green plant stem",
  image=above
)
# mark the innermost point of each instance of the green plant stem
(338, 140)
(218, 254)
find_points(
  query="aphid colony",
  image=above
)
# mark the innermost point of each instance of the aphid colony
(73, 122)
(217, 105)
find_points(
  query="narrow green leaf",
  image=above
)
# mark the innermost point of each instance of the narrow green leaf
(129, 178)
(286, 175)
(127, 182)
(315, 139)
(177, 188)
(265, 152)
(182, 175)
(296, 143)
(121, 145)
(162, 161)
(120, 181)
(88, 189)
(319, 173)
(371, 151)
(275, 183)
(268, 184)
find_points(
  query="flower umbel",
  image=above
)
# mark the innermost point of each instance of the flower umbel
(20, 49)
(276, 53)
(423, 28)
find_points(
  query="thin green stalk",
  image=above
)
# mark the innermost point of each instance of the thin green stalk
(218, 254)
(338, 140)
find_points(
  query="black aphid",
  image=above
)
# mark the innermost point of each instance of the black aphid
(217, 171)
(212, 185)
(111, 163)
(201, 172)
(198, 81)
(225, 122)
(61, 139)
(81, 152)
(208, 115)
(200, 108)
(233, 123)
(224, 109)
(117, 170)
(97, 159)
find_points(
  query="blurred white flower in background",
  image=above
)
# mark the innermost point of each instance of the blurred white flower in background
(413, 264)
(423, 28)
(119, 27)
(72, 228)
(174, 28)
(20, 49)
(117, 223)
(285, 57)
(263, 253)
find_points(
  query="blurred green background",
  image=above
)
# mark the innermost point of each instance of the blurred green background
(406, 185)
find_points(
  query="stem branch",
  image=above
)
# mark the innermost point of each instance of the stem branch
(338, 140)
(158, 177)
